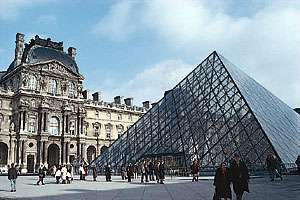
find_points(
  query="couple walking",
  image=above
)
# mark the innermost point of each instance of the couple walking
(237, 174)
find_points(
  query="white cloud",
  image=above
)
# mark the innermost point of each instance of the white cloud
(10, 9)
(265, 44)
(151, 83)
(115, 23)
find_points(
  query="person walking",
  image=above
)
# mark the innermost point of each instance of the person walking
(270, 166)
(123, 172)
(12, 177)
(81, 172)
(239, 176)
(143, 171)
(222, 183)
(108, 173)
(156, 171)
(58, 175)
(161, 171)
(151, 171)
(298, 164)
(129, 171)
(195, 170)
(41, 175)
(94, 173)
(64, 172)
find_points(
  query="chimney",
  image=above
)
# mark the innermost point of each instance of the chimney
(146, 104)
(153, 104)
(19, 48)
(167, 92)
(128, 101)
(85, 94)
(72, 52)
(96, 96)
(118, 100)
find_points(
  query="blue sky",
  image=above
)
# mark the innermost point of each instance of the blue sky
(141, 48)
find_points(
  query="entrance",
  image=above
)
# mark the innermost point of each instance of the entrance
(91, 153)
(3, 154)
(30, 163)
(53, 155)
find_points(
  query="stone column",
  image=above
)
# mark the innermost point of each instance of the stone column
(81, 125)
(41, 152)
(63, 153)
(67, 153)
(83, 151)
(78, 149)
(46, 152)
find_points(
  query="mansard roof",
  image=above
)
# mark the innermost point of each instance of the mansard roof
(41, 50)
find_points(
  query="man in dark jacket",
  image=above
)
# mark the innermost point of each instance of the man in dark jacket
(239, 176)
(161, 169)
(12, 176)
(41, 175)
(129, 171)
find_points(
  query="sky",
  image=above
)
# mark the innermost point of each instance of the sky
(139, 48)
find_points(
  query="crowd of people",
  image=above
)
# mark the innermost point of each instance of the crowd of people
(149, 171)
(235, 173)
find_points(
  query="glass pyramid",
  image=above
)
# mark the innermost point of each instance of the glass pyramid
(213, 113)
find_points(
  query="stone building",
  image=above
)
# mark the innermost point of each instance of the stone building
(45, 115)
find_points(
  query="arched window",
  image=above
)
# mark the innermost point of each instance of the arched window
(54, 126)
(71, 89)
(53, 87)
(32, 83)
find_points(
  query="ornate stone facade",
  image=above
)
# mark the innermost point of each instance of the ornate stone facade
(46, 117)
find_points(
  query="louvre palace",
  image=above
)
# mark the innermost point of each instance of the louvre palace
(47, 117)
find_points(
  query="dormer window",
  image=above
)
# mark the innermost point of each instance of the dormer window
(32, 83)
(53, 87)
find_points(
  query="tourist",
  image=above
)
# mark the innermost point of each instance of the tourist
(12, 177)
(161, 171)
(53, 171)
(278, 168)
(69, 177)
(107, 173)
(135, 168)
(41, 175)
(94, 173)
(64, 172)
(239, 176)
(143, 171)
(151, 170)
(81, 172)
(270, 166)
(298, 164)
(58, 175)
(123, 172)
(222, 183)
(156, 172)
(195, 170)
(129, 171)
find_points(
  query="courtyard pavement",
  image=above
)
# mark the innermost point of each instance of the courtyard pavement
(174, 189)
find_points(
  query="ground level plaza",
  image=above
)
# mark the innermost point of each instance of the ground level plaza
(174, 189)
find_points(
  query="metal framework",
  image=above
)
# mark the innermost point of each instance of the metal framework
(216, 111)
